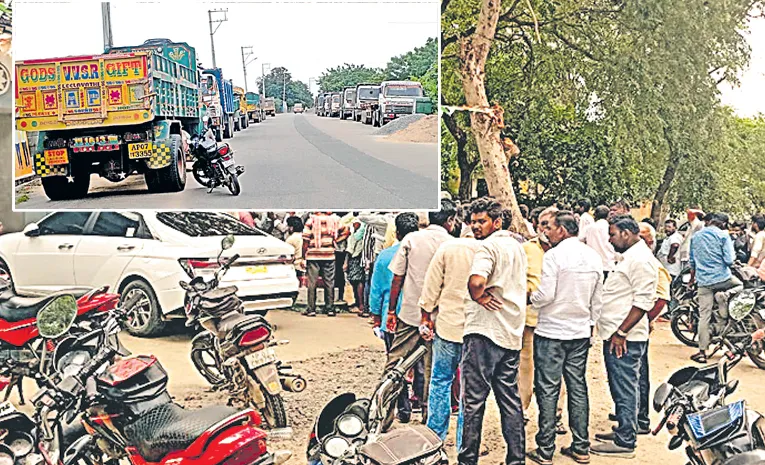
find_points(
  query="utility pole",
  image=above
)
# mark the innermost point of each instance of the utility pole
(245, 63)
(107, 22)
(284, 98)
(263, 80)
(212, 32)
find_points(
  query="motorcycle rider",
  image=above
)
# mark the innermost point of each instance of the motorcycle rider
(711, 256)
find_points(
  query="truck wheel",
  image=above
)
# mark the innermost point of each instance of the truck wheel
(218, 136)
(171, 178)
(59, 187)
(237, 126)
(246, 122)
(144, 316)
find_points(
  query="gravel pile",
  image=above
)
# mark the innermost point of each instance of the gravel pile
(398, 124)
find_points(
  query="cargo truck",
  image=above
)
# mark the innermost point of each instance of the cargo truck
(335, 106)
(367, 100)
(269, 106)
(218, 97)
(349, 102)
(240, 110)
(397, 98)
(114, 114)
(254, 110)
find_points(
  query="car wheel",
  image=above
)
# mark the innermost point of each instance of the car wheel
(5, 274)
(144, 315)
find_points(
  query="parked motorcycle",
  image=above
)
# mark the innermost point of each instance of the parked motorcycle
(349, 430)
(746, 314)
(127, 412)
(215, 165)
(22, 350)
(234, 351)
(695, 412)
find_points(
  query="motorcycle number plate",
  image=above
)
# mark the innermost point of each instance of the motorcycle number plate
(262, 357)
(140, 150)
(257, 269)
(229, 162)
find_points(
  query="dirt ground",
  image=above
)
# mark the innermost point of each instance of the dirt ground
(424, 130)
(341, 354)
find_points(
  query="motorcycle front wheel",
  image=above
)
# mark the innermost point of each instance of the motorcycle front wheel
(757, 351)
(200, 175)
(685, 326)
(208, 365)
(233, 184)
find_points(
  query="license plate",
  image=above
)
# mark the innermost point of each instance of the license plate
(140, 150)
(56, 157)
(229, 162)
(257, 269)
(260, 358)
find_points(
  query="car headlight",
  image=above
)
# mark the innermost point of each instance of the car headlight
(350, 425)
(741, 305)
(336, 446)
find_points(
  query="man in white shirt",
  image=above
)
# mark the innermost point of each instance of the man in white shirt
(668, 252)
(494, 324)
(695, 225)
(585, 219)
(597, 237)
(628, 295)
(758, 246)
(569, 302)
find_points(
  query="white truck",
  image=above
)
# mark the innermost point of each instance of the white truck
(397, 98)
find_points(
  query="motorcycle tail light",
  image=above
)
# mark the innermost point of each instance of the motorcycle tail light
(223, 150)
(198, 263)
(254, 337)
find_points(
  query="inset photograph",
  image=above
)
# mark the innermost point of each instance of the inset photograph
(254, 106)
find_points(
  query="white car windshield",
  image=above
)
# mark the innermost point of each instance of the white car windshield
(206, 224)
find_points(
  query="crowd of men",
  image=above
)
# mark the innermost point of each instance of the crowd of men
(517, 312)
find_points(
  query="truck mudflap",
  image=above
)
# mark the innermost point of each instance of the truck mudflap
(162, 148)
(45, 170)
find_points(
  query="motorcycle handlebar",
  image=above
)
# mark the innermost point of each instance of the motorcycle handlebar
(412, 359)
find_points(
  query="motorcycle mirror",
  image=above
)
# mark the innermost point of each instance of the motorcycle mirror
(227, 242)
(57, 316)
(661, 395)
(675, 442)
(731, 387)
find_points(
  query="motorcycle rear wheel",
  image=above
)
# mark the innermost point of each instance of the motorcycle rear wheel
(275, 414)
(233, 184)
(685, 327)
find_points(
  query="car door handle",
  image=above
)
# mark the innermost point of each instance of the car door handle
(65, 246)
(124, 248)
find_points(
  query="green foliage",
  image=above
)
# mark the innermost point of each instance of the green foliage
(335, 79)
(414, 63)
(297, 91)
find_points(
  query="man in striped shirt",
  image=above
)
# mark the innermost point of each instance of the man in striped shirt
(319, 235)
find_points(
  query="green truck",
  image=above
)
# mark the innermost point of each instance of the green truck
(116, 114)
(254, 108)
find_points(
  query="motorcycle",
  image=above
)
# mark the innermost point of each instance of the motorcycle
(695, 412)
(234, 351)
(746, 314)
(22, 350)
(126, 411)
(215, 165)
(349, 430)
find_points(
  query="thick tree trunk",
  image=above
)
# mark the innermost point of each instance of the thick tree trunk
(666, 181)
(465, 166)
(486, 127)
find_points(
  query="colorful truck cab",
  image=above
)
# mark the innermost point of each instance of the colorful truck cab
(240, 109)
(218, 97)
(114, 114)
(254, 109)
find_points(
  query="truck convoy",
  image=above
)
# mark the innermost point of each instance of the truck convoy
(254, 110)
(218, 98)
(241, 121)
(375, 104)
(113, 114)
(269, 106)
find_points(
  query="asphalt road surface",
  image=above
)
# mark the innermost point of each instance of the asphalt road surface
(291, 162)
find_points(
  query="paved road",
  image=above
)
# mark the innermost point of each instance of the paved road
(292, 162)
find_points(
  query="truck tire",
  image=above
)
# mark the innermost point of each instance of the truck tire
(227, 129)
(237, 125)
(59, 187)
(245, 122)
(218, 135)
(171, 178)
(146, 314)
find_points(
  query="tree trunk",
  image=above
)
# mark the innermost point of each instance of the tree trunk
(666, 181)
(465, 166)
(486, 127)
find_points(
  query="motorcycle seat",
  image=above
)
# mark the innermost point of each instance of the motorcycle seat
(169, 427)
(698, 389)
(14, 308)
(232, 320)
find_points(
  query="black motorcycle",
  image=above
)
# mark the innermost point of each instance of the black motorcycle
(235, 351)
(746, 314)
(215, 166)
(695, 412)
(349, 430)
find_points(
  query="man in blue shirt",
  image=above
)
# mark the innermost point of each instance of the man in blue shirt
(711, 257)
(379, 296)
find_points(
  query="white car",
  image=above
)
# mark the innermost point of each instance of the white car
(142, 253)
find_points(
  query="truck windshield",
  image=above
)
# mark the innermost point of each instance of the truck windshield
(252, 98)
(208, 85)
(350, 94)
(368, 93)
(335, 99)
(410, 90)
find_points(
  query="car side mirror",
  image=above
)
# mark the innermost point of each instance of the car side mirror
(32, 230)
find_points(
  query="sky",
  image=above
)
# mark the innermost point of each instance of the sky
(749, 98)
(305, 37)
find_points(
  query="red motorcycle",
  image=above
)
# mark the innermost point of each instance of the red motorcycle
(127, 412)
(22, 352)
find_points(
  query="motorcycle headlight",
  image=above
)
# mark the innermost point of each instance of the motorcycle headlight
(336, 446)
(350, 425)
(741, 305)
